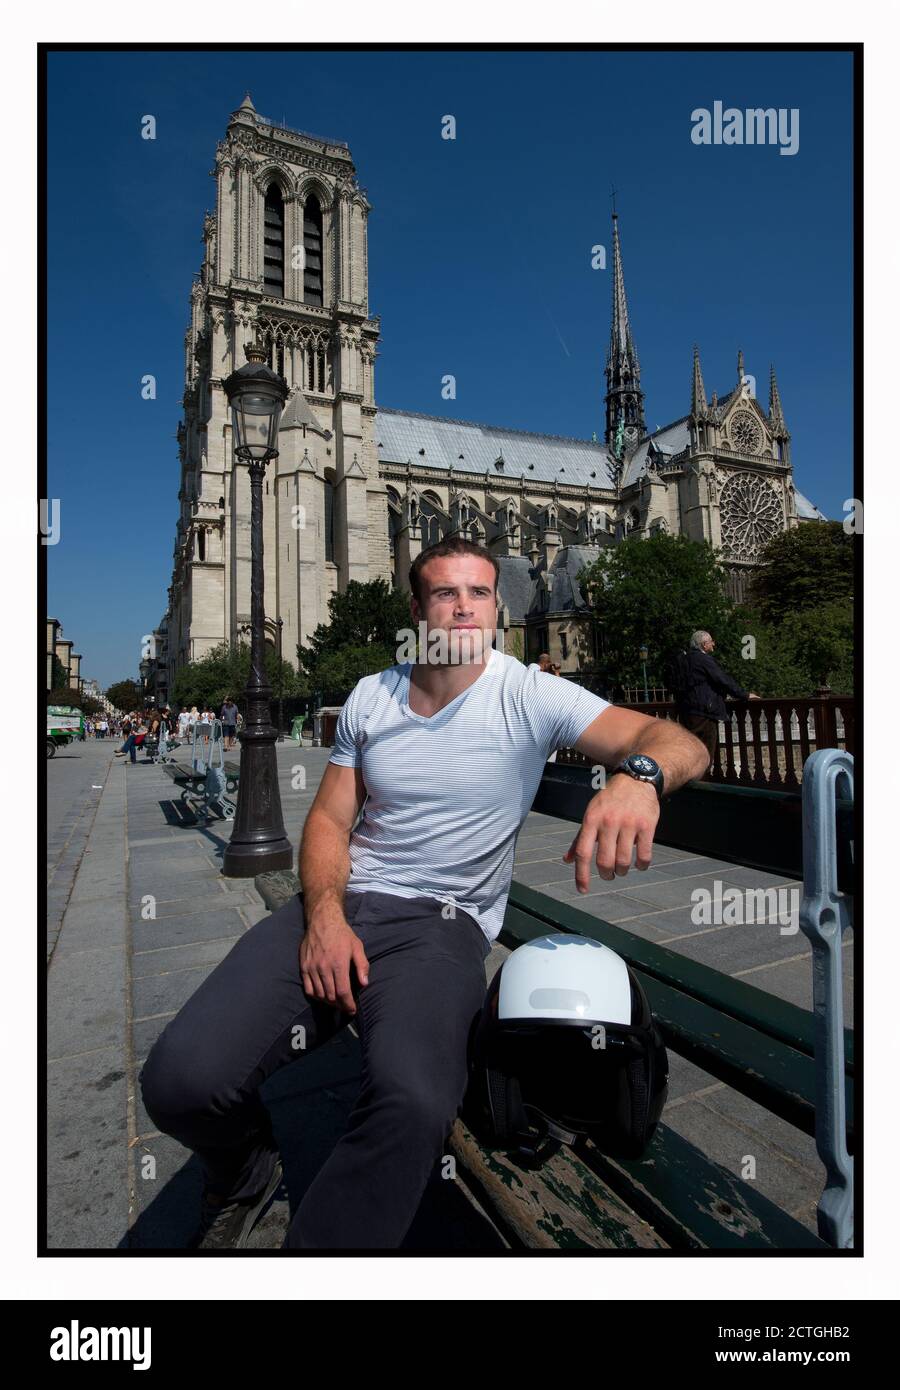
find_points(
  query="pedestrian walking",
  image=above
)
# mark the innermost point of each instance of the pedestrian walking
(229, 718)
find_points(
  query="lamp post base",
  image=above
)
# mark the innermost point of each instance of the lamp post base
(258, 840)
(249, 859)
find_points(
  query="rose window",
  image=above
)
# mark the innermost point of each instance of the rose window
(745, 433)
(751, 514)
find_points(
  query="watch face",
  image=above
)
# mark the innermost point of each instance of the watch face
(642, 765)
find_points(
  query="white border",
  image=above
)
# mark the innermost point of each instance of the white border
(432, 1278)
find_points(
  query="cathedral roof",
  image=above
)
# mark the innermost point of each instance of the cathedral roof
(671, 439)
(431, 441)
(516, 585)
(522, 592)
(298, 412)
(806, 510)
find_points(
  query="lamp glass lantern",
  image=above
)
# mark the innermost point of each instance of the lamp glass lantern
(256, 395)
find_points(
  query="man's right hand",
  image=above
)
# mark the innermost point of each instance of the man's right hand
(328, 949)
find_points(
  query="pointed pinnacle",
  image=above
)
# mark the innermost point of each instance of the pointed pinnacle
(698, 390)
(740, 366)
(776, 413)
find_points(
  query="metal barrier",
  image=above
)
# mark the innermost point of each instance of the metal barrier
(208, 762)
(824, 917)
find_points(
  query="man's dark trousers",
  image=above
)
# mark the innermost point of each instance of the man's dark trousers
(251, 1017)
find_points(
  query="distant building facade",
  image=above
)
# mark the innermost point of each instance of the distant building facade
(358, 491)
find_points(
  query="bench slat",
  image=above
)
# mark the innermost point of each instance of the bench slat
(696, 1203)
(562, 1205)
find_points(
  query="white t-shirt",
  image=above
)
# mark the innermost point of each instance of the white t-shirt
(447, 795)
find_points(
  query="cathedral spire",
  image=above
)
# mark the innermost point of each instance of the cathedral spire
(740, 366)
(699, 407)
(776, 413)
(624, 397)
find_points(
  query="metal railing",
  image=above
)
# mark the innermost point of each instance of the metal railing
(824, 918)
(766, 742)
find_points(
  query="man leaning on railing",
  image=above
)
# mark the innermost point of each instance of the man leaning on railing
(700, 699)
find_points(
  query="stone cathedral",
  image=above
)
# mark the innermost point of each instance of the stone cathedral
(357, 490)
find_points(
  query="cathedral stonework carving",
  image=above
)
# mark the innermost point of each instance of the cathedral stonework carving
(751, 515)
(744, 432)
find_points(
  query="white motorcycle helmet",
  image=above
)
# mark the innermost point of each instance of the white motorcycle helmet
(565, 1045)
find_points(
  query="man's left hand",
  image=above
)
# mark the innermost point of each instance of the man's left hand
(620, 817)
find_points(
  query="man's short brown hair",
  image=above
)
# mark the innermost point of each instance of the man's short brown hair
(456, 545)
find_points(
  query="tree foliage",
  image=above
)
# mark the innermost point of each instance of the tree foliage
(66, 695)
(360, 637)
(340, 670)
(804, 569)
(124, 695)
(655, 592)
(802, 651)
(224, 671)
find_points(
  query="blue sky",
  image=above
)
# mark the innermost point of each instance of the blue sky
(479, 261)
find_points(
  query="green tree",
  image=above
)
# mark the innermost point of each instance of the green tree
(340, 670)
(801, 651)
(364, 617)
(66, 695)
(224, 671)
(124, 695)
(655, 593)
(804, 568)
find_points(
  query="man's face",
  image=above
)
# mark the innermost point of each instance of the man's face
(709, 645)
(458, 596)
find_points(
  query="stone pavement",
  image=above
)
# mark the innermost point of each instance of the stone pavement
(149, 915)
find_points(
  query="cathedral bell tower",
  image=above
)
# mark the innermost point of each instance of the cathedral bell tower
(286, 266)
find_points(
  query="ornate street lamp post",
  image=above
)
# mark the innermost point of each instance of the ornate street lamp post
(257, 395)
(644, 654)
(278, 649)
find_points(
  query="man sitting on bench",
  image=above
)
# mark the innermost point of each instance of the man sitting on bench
(396, 919)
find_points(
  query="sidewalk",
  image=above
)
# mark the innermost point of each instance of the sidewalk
(150, 915)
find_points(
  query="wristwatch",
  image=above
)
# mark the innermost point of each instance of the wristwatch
(643, 769)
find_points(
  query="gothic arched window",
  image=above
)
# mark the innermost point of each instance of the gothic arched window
(394, 512)
(329, 514)
(315, 370)
(312, 249)
(273, 243)
(430, 522)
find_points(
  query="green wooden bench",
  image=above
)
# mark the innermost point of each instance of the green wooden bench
(183, 776)
(675, 1197)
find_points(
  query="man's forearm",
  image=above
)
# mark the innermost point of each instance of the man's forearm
(324, 864)
(680, 755)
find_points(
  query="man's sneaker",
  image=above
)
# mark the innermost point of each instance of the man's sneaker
(228, 1226)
